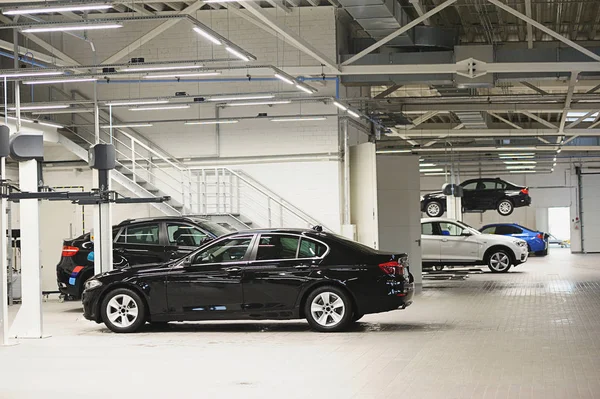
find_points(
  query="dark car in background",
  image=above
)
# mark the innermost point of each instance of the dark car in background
(480, 195)
(537, 241)
(135, 241)
(256, 275)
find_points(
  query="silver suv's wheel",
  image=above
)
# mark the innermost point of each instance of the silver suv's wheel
(123, 310)
(505, 207)
(328, 308)
(499, 261)
(434, 209)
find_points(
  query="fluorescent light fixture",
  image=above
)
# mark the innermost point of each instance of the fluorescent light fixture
(518, 155)
(559, 150)
(393, 151)
(554, 164)
(305, 89)
(22, 119)
(242, 97)
(520, 162)
(552, 170)
(44, 10)
(36, 107)
(431, 170)
(299, 119)
(237, 54)
(436, 174)
(554, 160)
(340, 106)
(284, 78)
(182, 75)
(427, 165)
(223, 1)
(54, 81)
(516, 148)
(275, 102)
(160, 68)
(212, 122)
(354, 114)
(29, 74)
(159, 108)
(51, 124)
(68, 28)
(119, 103)
(123, 125)
(520, 166)
(207, 35)
(522, 171)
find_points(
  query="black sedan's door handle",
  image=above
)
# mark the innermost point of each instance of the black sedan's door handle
(233, 269)
(301, 267)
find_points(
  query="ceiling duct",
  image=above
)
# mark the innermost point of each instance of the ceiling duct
(379, 18)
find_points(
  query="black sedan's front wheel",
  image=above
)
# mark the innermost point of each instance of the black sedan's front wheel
(505, 207)
(123, 311)
(328, 309)
(434, 209)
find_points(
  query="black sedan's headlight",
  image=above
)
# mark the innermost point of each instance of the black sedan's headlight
(92, 283)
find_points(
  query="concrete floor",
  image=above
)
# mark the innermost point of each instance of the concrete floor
(531, 333)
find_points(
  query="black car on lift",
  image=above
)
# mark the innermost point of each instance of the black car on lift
(480, 195)
(255, 275)
(135, 241)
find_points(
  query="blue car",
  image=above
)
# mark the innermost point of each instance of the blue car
(537, 242)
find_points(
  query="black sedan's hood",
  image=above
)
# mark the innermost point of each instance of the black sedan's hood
(435, 194)
(134, 270)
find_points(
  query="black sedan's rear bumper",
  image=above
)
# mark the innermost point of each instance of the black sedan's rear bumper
(384, 295)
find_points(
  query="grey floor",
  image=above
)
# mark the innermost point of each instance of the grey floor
(534, 332)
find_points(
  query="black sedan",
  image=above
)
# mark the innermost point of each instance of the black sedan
(256, 274)
(480, 195)
(135, 241)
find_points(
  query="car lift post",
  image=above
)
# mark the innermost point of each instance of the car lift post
(4, 152)
(103, 159)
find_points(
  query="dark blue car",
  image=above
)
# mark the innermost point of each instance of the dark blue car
(537, 242)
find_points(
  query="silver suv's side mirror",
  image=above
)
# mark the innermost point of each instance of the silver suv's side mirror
(466, 233)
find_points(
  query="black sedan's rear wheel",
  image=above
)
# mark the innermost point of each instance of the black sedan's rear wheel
(505, 207)
(328, 309)
(434, 209)
(123, 311)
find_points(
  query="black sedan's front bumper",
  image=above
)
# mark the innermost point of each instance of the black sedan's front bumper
(91, 304)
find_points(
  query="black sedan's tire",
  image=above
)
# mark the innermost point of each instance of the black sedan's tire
(434, 209)
(357, 316)
(328, 309)
(499, 261)
(505, 207)
(123, 311)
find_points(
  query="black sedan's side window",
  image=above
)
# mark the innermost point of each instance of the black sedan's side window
(229, 250)
(277, 246)
(184, 235)
(470, 186)
(311, 249)
(145, 234)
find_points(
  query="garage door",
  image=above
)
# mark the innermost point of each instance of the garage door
(590, 207)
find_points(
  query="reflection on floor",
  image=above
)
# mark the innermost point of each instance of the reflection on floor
(531, 333)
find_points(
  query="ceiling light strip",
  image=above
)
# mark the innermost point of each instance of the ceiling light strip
(69, 28)
(211, 122)
(59, 9)
(299, 119)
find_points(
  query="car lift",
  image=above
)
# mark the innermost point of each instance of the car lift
(28, 149)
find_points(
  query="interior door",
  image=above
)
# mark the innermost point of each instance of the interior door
(456, 247)
(210, 285)
(183, 238)
(430, 243)
(280, 265)
(140, 243)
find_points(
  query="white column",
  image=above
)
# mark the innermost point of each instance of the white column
(103, 245)
(3, 264)
(28, 323)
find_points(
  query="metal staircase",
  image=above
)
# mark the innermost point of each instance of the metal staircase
(229, 197)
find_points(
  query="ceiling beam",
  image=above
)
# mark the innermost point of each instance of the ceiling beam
(546, 30)
(388, 91)
(291, 37)
(581, 119)
(441, 133)
(39, 56)
(419, 9)
(400, 31)
(539, 119)
(534, 88)
(139, 8)
(529, 27)
(570, 91)
(505, 120)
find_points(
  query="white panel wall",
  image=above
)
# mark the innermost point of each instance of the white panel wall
(590, 206)
(398, 208)
(363, 193)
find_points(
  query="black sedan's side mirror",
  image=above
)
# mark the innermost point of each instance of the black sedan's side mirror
(187, 262)
(205, 240)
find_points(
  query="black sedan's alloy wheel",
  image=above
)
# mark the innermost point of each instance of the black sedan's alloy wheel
(123, 311)
(505, 207)
(328, 308)
(434, 209)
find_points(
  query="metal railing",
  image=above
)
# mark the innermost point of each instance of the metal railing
(201, 191)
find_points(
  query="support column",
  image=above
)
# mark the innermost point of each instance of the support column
(28, 323)
(103, 234)
(3, 264)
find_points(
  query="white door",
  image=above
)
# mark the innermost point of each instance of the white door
(456, 247)
(590, 212)
(430, 243)
(363, 194)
